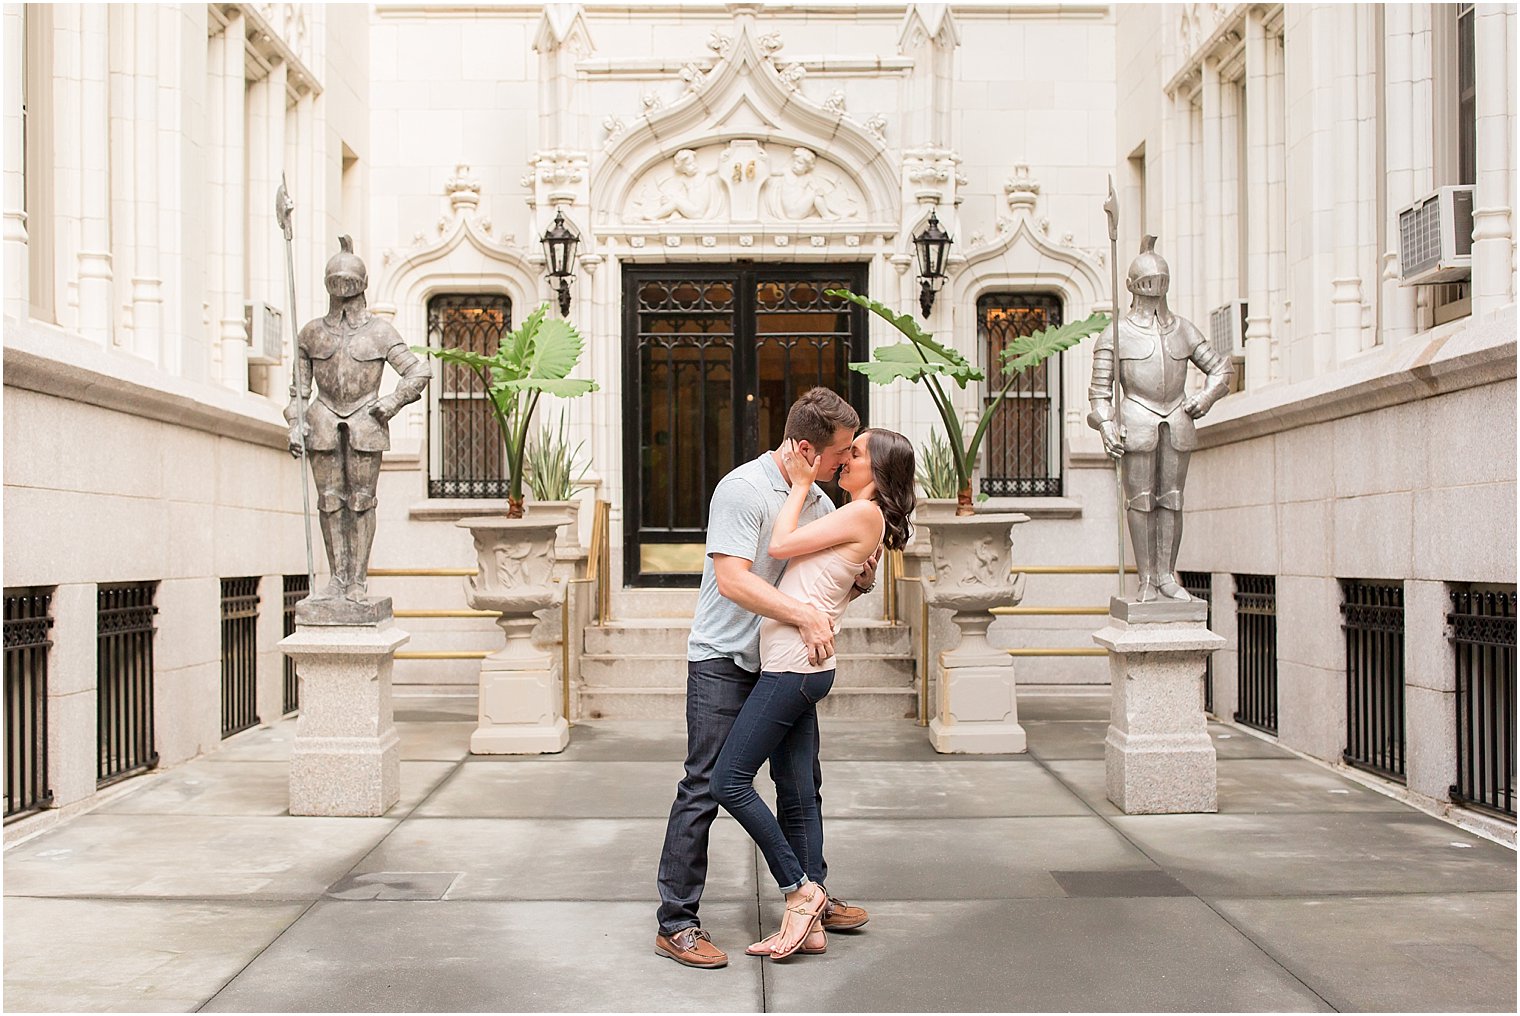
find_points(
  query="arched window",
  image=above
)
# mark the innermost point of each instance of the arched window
(1022, 456)
(466, 457)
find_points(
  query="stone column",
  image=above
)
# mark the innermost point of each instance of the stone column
(1398, 319)
(71, 695)
(1158, 756)
(17, 263)
(1226, 659)
(347, 756)
(1346, 287)
(1493, 268)
(96, 302)
(147, 279)
(1213, 206)
(231, 334)
(1258, 308)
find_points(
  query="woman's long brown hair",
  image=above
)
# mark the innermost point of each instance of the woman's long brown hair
(892, 467)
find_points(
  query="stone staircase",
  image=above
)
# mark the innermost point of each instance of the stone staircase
(634, 666)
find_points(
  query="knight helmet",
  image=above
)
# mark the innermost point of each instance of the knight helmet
(346, 267)
(1148, 273)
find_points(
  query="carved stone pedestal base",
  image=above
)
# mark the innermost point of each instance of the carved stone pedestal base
(978, 710)
(347, 758)
(519, 698)
(1158, 754)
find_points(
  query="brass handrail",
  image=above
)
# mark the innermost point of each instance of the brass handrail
(1046, 611)
(1070, 569)
(598, 564)
(432, 573)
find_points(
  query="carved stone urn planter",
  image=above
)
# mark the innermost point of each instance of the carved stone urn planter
(971, 558)
(519, 694)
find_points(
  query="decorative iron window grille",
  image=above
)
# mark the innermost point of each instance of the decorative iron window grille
(240, 654)
(124, 680)
(1482, 631)
(1023, 443)
(1200, 585)
(1374, 626)
(466, 456)
(297, 588)
(27, 625)
(1256, 651)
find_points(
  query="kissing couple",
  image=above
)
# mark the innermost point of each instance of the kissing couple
(782, 564)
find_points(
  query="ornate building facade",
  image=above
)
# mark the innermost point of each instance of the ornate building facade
(721, 166)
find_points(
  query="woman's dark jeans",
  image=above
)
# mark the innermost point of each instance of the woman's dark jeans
(779, 722)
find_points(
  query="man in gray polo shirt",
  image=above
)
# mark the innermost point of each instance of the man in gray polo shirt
(723, 659)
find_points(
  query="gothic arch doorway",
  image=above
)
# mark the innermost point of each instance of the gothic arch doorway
(713, 357)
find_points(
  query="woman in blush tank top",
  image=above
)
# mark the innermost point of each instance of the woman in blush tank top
(779, 720)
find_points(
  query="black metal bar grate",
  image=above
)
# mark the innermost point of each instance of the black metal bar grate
(1200, 585)
(470, 459)
(124, 680)
(1024, 440)
(297, 588)
(240, 654)
(1256, 651)
(27, 625)
(1373, 615)
(1482, 631)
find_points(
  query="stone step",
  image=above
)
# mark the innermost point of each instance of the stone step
(668, 670)
(867, 703)
(669, 635)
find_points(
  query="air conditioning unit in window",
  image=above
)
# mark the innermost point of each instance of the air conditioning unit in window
(265, 338)
(1227, 329)
(1435, 237)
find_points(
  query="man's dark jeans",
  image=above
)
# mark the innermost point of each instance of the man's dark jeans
(715, 692)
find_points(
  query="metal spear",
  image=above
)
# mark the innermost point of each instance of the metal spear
(283, 206)
(1111, 208)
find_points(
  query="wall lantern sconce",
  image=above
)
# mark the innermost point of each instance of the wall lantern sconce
(933, 246)
(559, 252)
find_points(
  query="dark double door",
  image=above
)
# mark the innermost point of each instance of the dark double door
(714, 356)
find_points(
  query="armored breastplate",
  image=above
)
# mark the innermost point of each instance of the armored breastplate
(347, 361)
(1153, 364)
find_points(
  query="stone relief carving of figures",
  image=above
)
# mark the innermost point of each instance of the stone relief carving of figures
(801, 193)
(690, 194)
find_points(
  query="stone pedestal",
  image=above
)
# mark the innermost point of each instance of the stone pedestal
(347, 757)
(977, 710)
(1158, 754)
(520, 694)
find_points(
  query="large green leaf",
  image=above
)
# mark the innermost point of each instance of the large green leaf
(565, 388)
(919, 357)
(556, 350)
(464, 357)
(1028, 350)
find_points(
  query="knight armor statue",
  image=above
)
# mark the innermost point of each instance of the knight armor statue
(1152, 431)
(347, 425)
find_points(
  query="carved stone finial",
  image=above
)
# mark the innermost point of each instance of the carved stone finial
(720, 42)
(835, 102)
(651, 101)
(771, 44)
(1021, 188)
(693, 74)
(792, 75)
(462, 189)
(876, 126)
(614, 126)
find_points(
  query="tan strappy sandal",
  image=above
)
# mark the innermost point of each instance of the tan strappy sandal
(810, 910)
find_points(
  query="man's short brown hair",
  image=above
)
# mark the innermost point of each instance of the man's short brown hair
(817, 415)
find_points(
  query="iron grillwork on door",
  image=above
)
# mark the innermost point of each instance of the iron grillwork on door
(1373, 615)
(1482, 631)
(1256, 651)
(124, 680)
(1024, 441)
(27, 625)
(714, 356)
(297, 588)
(240, 655)
(466, 457)
(1200, 586)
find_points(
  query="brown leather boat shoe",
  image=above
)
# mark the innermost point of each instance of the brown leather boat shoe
(692, 947)
(840, 916)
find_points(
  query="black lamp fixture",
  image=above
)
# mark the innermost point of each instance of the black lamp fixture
(933, 246)
(559, 251)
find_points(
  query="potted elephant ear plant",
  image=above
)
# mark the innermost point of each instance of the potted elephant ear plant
(970, 553)
(519, 704)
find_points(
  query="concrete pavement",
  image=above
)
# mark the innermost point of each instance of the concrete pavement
(994, 883)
